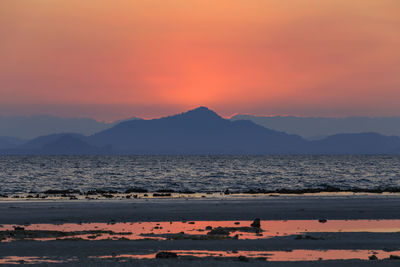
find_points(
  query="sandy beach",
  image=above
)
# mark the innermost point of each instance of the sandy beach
(327, 209)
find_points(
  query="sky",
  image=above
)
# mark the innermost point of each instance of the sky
(113, 59)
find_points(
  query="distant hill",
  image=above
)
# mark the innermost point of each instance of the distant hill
(71, 145)
(7, 142)
(363, 143)
(202, 131)
(57, 144)
(39, 142)
(314, 128)
(33, 126)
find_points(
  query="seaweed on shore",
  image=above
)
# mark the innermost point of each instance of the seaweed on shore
(61, 192)
(183, 236)
(326, 189)
(100, 192)
(136, 190)
(19, 233)
(229, 230)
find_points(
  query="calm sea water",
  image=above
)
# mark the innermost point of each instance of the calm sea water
(23, 174)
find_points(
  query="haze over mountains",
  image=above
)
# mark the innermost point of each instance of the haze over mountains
(28, 127)
(199, 131)
(314, 128)
(21, 128)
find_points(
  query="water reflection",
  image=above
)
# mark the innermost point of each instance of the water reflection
(28, 260)
(189, 229)
(292, 255)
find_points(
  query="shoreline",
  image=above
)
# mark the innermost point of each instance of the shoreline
(64, 195)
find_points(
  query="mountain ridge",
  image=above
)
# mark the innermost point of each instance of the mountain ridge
(202, 131)
(313, 128)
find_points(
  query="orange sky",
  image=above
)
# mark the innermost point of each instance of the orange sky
(113, 59)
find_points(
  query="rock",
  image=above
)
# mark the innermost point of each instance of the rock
(166, 190)
(208, 227)
(136, 190)
(100, 192)
(322, 220)
(256, 223)
(189, 192)
(394, 257)
(330, 188)
(218, 231)
(243, 258)
(61, 192)
(166, 255)
(372, 257)
(256, 191)
(308, 237)
(227, 192)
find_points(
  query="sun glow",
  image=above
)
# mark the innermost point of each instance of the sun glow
(155, 57)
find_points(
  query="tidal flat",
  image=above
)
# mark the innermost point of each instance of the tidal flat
(281, 230)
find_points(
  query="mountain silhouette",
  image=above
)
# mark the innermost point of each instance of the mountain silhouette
(70, 145)
(313, 128)
(58, 144)
(7, 142)
(29, 127)
(39, 142)
(202, 131)
(362, 143)
(197, 131)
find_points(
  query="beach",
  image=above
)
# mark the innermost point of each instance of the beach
(370, 220)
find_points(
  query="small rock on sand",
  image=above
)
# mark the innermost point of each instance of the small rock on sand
(372, 257)
(166, 255)
(394, 257)
(243, 258)
(256, 223)
(218, 231)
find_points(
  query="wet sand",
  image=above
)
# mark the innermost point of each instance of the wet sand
(234, 208)
(374, 207)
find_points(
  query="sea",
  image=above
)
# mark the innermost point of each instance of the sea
(35, 174)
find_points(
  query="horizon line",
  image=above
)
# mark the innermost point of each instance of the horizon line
(258, 115)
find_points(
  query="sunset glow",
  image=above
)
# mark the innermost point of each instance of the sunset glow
(113, 59)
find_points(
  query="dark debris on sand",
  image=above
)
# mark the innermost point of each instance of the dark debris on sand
(166, 255)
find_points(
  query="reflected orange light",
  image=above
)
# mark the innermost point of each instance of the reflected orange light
(161, 230)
